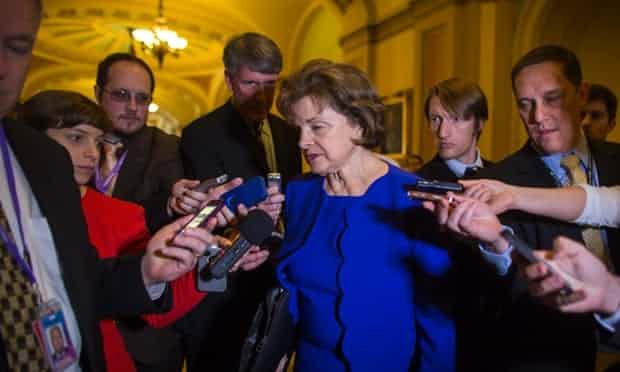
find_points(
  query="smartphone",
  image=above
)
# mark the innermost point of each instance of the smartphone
(436, 187)
(250, 193)
(524, 249)
(209, 183)
(208, 211)
(274, 179)
(111, 138)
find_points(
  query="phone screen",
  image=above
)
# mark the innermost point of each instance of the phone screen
(205, 213)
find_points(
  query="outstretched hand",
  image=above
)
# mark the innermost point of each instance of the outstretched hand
(594, 287)
(170, 255)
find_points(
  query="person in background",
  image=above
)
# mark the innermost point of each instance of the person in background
(241, 139)
(115, 227)
(351, 258)
(456, 111)
(598, 117)
(44, 230)
(142, 168)
(550, 94)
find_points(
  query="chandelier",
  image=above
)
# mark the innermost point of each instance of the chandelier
(160, 40)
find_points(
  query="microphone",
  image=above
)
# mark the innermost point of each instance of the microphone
(253, 230)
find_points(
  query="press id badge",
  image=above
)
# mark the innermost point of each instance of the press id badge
(53, 336)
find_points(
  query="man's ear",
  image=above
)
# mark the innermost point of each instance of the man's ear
(480, 126)
(227, 79)
(98, 92)
(583, 93)
(612, 124)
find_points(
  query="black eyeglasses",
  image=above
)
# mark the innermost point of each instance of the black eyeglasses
(124, 96)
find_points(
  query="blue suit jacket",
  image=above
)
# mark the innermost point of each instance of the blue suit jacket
(391, 281)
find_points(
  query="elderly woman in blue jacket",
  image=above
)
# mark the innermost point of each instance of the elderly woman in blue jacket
(351, 259)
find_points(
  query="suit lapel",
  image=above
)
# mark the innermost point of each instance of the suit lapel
(132, 172)
(240, 131)
(606, 160)
(530, 170)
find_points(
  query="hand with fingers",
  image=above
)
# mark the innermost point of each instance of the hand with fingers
(252, 259)
(273, 204)
(170, 254)
(499, 196)
(595, 289)
(183, 200)
(469, 218)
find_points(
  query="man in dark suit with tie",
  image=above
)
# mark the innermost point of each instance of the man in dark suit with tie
(144, 166)
(241, 139)
(140, 169)
(456, 111)
(549, 91)
(43, 225)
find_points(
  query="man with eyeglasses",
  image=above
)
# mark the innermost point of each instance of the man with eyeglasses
(144, 165)
(50, 273)
(141, 168)
(241, 139)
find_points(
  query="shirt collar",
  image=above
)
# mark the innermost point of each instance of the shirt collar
(458, 167)
(553, 161)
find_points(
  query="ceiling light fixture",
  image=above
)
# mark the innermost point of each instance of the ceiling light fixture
(160, 40)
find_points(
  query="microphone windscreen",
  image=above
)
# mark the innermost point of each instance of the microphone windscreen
(256, 226)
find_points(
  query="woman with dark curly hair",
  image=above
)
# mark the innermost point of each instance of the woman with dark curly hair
(350, 258)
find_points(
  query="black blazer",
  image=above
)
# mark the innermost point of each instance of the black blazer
(532, 337)
(152, 166)
(436, 169)
(221, 142)
(475, 291)
(96, 288)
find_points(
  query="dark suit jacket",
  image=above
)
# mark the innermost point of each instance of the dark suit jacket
(531, 336)
(475, 292)
(221, 142)
(436, 169)
(152, 166)
(96, 288)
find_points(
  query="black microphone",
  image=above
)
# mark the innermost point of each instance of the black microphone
(253, 230)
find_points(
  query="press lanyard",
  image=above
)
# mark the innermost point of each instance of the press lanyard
(104, 184)
(24, 264)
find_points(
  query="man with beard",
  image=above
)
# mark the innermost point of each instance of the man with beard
(141, 168)
(144, 165)
(241, 139)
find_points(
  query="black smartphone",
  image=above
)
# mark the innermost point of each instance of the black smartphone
(211, 182)
(436, 187)
(526, 251)
(250, 193)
